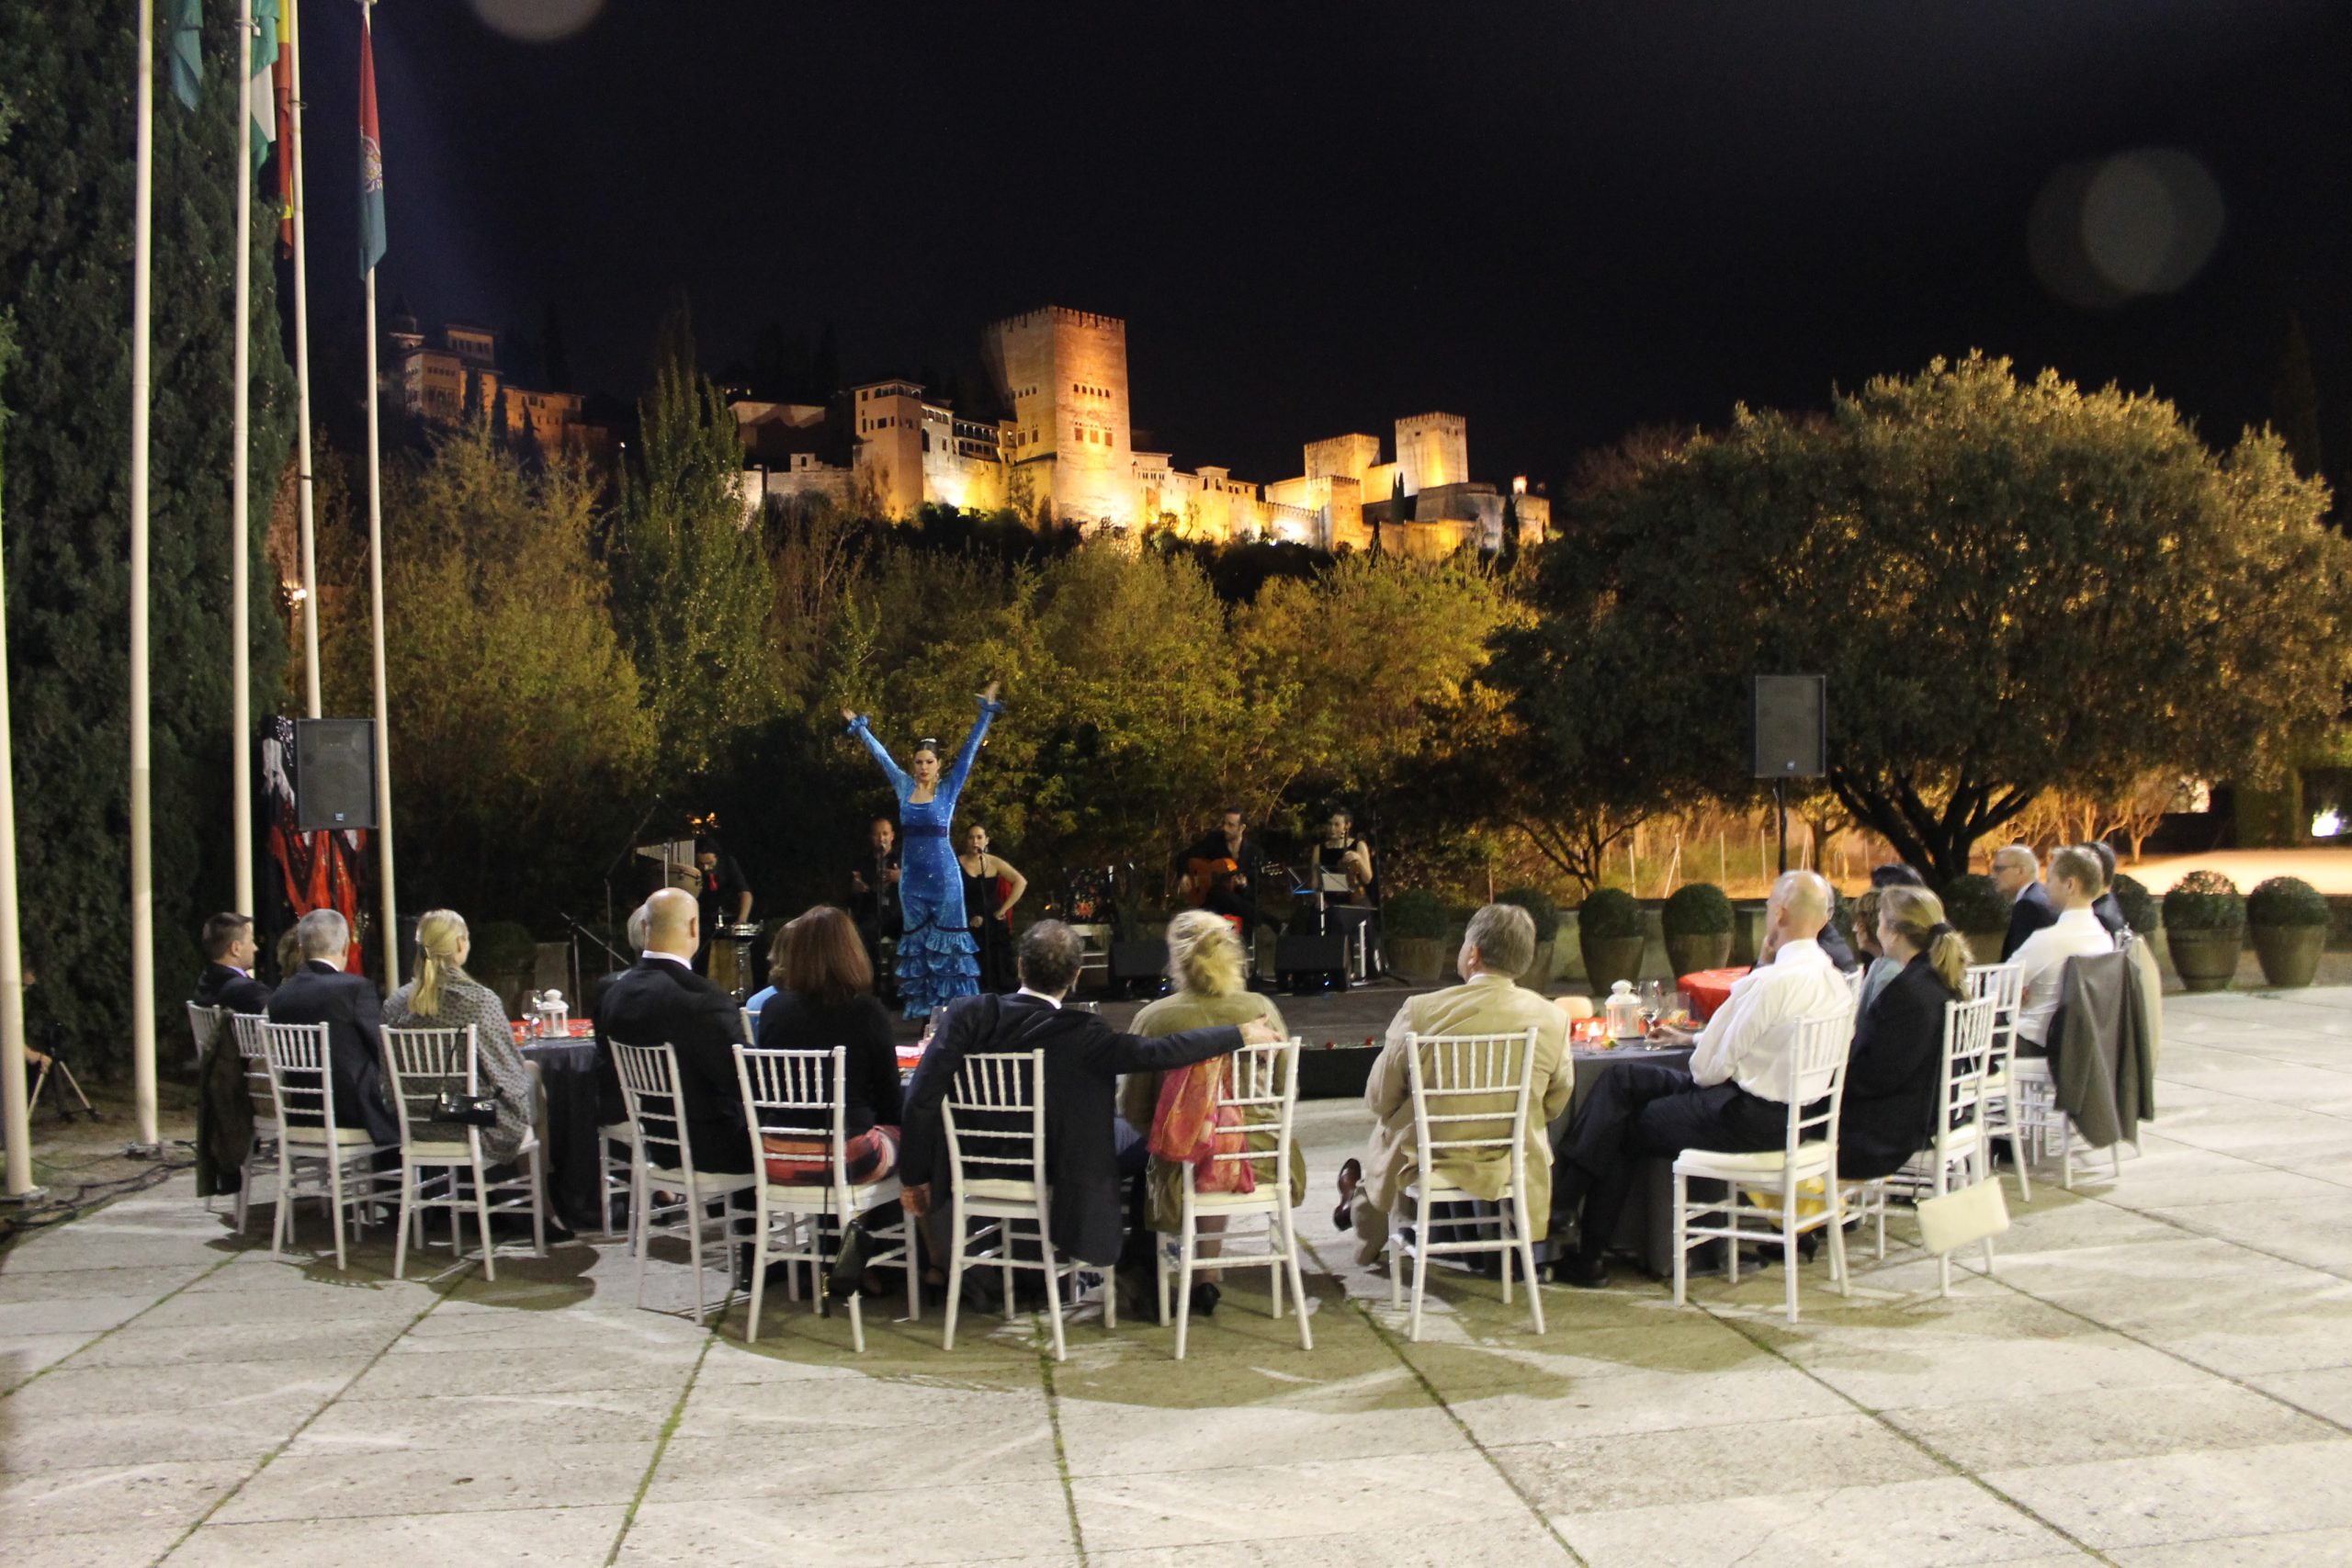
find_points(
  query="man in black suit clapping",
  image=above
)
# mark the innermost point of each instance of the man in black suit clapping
(320, 992)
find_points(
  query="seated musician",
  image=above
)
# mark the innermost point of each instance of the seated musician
(1218, 872)
(725, 899)
(1342, 854)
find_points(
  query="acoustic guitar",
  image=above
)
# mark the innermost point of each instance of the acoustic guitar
(1203, 877)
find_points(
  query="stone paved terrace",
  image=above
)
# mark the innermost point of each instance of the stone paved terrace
(2160, 1376)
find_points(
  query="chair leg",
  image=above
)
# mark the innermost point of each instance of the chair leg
(1298, 1280)
(334, 1202)
(910, 1235)
(856, 1324)
(1837, 1266)
(1421, 1262)
(1789, 1245)
(1159, 1273)
(759, 1267)
(1274, 1272)
(696, 1217)
(1527, 1260)
(408, 1212)
(1731, 1245)
(955, 1273)
(1681, 1238)
(1184, 1281)
(1053, 1286)
(539, 1200)
(1395, 1268)
(481, 1219)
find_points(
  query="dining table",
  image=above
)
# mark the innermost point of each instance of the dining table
(575, 1166)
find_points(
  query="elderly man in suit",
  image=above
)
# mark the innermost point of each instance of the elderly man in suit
(320, 992)
(659, 1000)
(2018, 874)
(1084, 1058)
(1496, 950)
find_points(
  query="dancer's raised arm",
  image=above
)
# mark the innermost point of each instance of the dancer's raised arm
(899, 783)
(953, 785)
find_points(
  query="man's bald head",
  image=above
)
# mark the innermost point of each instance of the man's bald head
(1801, 903)
(671, 922)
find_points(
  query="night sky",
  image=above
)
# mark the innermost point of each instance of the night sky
(1561, 221)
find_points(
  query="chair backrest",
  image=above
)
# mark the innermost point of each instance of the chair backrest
(1818, 1075)
(994, 1113)
(250, 1045)
(750, 1027)
(1261, 1087)
(796, 1094)
(297, 1058)
(1855, 979)
(2004, 985)
(419, 1064)
(1456, 1082)
(1968, 1056)
(204, 1026)
(648, 1076)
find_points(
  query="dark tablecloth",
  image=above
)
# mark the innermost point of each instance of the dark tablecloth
(575, 1165)
(1647, 1229)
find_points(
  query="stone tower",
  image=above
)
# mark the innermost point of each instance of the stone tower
(1433, 449)
(1064, 375)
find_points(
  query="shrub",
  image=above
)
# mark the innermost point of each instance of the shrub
(1697, 908)
(1974, 903)
(2139, 904)
(1539, 905)
(2286, 901)
(504, 948)
(1609, 912)
(2204, 901)
(1415, 912)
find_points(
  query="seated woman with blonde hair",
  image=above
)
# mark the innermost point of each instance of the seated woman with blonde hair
(443, 996)
(1206, 967)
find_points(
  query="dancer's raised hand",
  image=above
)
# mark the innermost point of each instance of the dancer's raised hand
(849, 715)
(988, 693)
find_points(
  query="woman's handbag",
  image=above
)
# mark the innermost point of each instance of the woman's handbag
(1963, 1218)
(467, 1109)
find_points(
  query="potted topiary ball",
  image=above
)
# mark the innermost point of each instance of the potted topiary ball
(1546, 916)
(1974, 906)
(1415, 923)
(2288, 918)
(1697, 921)
(2139, 907)
(2205, 930)
(1608, 932)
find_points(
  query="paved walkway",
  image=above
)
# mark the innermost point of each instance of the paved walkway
(2159, 1376)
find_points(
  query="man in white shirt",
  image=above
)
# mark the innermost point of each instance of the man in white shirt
(1733, 1098)
(2075, 883)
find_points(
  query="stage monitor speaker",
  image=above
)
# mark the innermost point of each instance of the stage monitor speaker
(334, 773)
(1144, 961)
(1792, 724)
(1321, 958)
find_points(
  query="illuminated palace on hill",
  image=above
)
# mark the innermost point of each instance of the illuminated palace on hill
(1069, 447)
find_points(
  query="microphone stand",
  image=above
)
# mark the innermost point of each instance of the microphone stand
(629, 847)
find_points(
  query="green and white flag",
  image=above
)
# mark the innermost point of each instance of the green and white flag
(260, 95)
(186, 49)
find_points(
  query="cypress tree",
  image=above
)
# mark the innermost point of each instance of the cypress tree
(67, 79)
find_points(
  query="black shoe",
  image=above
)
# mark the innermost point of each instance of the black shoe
(1575, 1268)
(981, 1291)
(1351, 1174)
(850, 1263)
(1205, 1298)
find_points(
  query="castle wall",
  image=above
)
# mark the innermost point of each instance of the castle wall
(1064, 374)
(1433, 449)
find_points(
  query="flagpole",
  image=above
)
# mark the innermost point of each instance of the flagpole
(289, 41)
(376, 590)
(142, 873)
(240, 716)
(17, 1187)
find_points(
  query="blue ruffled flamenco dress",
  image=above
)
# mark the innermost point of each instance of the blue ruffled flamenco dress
(938, 960)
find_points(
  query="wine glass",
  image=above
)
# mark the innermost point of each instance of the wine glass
(1652, 1004)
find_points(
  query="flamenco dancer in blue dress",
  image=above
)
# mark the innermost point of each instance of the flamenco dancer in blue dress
(937, 958)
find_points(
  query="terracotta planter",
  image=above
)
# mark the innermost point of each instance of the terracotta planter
(1419, 959)
(2290, 954)
(2205, 961)
(1688, 954)
(1608, 959)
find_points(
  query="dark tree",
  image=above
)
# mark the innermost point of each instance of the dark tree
(555, 360)
(65, 219)
(2294, 401)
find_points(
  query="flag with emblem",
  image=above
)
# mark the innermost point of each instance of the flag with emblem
(260, 91)
(371, 159)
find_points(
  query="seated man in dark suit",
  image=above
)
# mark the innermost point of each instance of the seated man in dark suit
(2106, 909)
(2018, 874)
(224, 1115)
(1084, 1058)
(228, 979)
(320, 992)
(662, 1001)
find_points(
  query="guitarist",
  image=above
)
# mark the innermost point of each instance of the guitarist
(1218, 872)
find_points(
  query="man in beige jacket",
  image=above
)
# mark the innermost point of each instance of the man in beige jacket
(1498, 949)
